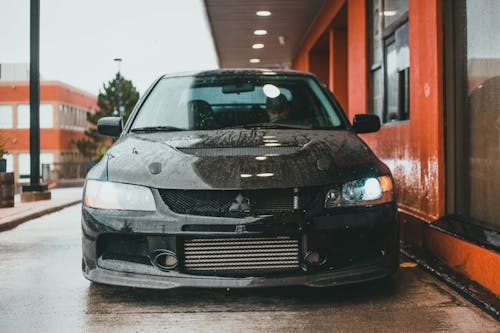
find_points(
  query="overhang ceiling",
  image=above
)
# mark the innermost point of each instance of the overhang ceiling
(233, 23)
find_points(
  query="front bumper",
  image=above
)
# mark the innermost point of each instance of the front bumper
(361, 242)
(163, 280)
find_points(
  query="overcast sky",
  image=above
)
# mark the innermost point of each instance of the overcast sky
(80, 38)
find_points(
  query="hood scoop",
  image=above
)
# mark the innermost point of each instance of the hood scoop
(240, 151)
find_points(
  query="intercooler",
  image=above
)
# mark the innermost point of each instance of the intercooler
(241, 256)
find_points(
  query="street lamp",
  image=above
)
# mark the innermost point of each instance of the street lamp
(120, 109)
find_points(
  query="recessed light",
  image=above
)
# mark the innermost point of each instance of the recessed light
(390, 12)
(254, 61)
(258, 46)
(263, 13)
(246, 175)
(260, 32)
(261, 158)
(265, 174)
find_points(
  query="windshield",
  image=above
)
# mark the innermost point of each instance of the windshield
(206, 102)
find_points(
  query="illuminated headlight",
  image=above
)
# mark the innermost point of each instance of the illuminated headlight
(361, 192)
(110, 195)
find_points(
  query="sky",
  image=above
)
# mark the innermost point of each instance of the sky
(80, 38)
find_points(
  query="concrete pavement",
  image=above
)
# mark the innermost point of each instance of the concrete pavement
(42, 290)
(25, 211)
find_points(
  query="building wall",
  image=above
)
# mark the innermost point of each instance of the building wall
(413, 149)
(69, 119)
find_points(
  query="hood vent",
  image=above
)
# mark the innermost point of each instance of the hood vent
(241, 151)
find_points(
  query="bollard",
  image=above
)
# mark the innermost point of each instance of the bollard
(6, 189)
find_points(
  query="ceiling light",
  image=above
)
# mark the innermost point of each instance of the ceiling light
(254, 61)
(261, 158)
(260, 32)
(258, 46)
(390, 12)
(245, 175)
(265, 174)
(263, 13)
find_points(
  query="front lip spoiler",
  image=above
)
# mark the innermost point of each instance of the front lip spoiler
(353, 274)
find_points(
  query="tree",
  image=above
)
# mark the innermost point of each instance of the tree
(94, 146)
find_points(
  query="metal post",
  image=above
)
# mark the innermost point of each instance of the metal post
(34, 99)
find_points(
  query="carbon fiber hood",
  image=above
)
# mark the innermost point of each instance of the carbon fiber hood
(239, 159)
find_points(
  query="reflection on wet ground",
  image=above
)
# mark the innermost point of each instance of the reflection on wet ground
(42, 290)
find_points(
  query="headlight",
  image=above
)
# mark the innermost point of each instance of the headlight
(109, 195)
(361, 192)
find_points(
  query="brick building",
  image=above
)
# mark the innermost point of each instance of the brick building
(63, 120)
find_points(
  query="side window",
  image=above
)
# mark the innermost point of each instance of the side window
(389, 59)
(6, 119)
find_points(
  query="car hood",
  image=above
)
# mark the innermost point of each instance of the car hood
(240, 159)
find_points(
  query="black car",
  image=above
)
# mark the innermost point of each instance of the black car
(239, 178)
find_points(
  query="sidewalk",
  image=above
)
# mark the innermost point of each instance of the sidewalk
(22, 212)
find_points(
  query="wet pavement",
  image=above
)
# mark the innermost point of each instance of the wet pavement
(43, 290)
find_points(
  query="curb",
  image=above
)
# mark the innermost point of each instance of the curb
(470, 290)
(15, 222)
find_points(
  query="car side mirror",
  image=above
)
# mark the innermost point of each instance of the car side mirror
(110, 126)
(366, 123)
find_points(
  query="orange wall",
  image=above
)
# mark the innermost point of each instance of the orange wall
(331, 8)
(319, 64)
(50, 139)
(338, 78)
(50, 91)
(477, 263)
(414, 150)
(357, 63)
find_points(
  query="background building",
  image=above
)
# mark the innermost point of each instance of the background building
(63, 120)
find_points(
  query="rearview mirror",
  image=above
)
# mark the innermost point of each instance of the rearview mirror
(238, 88)
(366, 123)
(110, 126)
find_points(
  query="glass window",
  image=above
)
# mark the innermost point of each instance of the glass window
(10, 162)
(392, 81)
(24, 161)
(24, 167)
(23, 116)
(46, 116)
(217, 101)
(6, 120)
(47, 158)
(482, 116)
(390, 60)
(394, 10)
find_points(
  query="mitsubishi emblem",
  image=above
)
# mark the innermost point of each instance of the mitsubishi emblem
(241, 204)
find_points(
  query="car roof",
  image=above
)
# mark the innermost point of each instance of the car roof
(241, 71)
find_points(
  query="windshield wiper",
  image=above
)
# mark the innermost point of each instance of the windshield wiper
(151, 129)
(273, 125)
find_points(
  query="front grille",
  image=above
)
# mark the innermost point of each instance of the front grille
(219, 202)
(241, 256)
